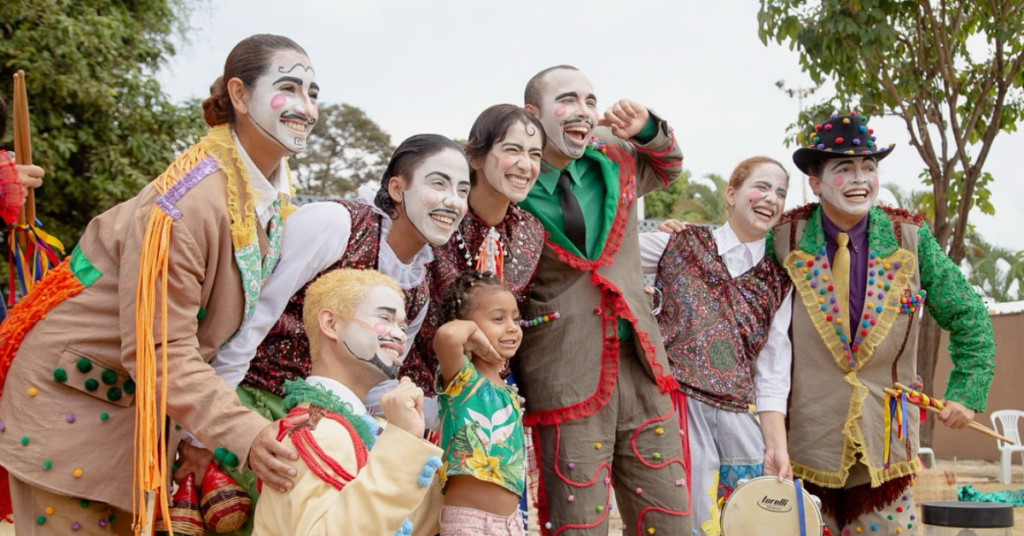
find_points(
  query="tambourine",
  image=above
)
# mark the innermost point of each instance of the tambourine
(767, 507)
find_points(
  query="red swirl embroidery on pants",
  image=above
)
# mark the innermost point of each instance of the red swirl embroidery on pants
(597, 472)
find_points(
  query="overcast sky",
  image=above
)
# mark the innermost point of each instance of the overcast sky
(433, 66)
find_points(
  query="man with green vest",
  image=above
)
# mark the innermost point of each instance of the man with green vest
(592, 365)
(861, 275)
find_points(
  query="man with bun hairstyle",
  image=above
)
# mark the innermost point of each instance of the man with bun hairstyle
(592, 365)
(861, 274)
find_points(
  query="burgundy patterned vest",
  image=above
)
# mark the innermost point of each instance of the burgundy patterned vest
(715, 326)
(284, 353)
(522, 237)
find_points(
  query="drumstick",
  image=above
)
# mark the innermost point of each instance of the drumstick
(972, 425)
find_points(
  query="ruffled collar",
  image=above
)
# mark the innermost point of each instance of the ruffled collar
(408, 275)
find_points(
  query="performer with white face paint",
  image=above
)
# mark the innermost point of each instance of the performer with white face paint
(361, 479)
(592, 365)
(421, 201)
(723, 309)
(861, 274)
(155, 286)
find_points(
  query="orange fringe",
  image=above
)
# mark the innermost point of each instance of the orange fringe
(150, 472)
(58, 285)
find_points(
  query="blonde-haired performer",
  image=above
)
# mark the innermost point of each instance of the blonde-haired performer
(354, 478)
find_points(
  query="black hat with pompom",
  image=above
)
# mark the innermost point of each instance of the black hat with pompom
(842, 135)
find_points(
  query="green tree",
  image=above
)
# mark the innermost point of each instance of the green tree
(101, 125)
(995, 271)
(918, 201)
(345, 149)
(689, 200)
(951, 70)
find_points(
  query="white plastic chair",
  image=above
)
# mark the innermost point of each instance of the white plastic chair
(1004, 421)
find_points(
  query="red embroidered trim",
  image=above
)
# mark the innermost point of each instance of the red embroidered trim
(302, 436)
(661, 164)
(899, 215)
(640, 518)
(799, 213)
(613, 305)
(608, 489)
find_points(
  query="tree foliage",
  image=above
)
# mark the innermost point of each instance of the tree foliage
(345, 149)
(685, 199)
(950, 69)
(996, 272)
(101, 125)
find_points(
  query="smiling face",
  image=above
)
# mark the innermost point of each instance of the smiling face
(496, 314)
(847, 188)
(512, 165)
(375, 335)
(568, 111)
(435, 200)
(283, 102)
(757, 205)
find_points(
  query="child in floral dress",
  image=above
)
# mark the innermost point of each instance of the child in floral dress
(483, 470)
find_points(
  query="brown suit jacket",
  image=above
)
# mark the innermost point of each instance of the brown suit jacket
(62, 422)
(567, 367)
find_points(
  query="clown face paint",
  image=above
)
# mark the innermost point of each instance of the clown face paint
(512, 165)
(847, 187)
(283, 105)
(435, 200)
(758, 203)
(568, 111)
(375, 334)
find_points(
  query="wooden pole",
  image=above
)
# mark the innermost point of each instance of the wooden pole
(980, 428)
(23, 143)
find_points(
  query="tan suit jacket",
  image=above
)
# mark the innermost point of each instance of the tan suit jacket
(382, 495)
(564, 367)
(205, 309)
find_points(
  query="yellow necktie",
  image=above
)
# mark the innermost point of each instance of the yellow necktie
(841, 277)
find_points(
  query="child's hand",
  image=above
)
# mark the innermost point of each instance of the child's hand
(478, 345)
(403, 407)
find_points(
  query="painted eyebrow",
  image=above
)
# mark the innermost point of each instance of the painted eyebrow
(567, 94)
(391, 310)
(293, 79)
(841, 162)
(512, 144)
(592, 97)
(444, 176)
(314, 85)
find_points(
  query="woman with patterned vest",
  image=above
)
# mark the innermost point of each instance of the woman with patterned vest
(504, 149)
(421, 200)
(154, 287)
(724, 314)
(860, 275)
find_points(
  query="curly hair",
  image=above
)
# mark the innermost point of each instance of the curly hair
(457, 301)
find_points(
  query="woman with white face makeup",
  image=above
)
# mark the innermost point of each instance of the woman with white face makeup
(504, 148)
(421, 201)
(154, 287)
(724, 315)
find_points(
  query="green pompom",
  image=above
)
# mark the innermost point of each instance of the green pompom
(84, 503)
(104, 416)
(83, 365)
(41, 519)
(129, 386)
(109, 377)
(47, 464)
(60, 375)
(231, 460)
(24, 441)
(91, 384)
(113, 394)
(219, 453)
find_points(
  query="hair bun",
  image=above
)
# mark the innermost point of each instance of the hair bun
(217, 108)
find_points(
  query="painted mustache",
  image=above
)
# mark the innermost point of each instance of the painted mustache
(574, 121)
(298, 117)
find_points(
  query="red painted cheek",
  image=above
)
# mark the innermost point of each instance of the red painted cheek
(278, 101)
(432, 198)
(874, 181)
(506, 163)
(380, 329)
(534, 170)
(560, 111)
(755, 197)
(838, 181)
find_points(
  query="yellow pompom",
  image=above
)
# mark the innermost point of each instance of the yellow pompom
(78, 473)
(32, 391)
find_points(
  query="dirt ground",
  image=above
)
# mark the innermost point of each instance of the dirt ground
(938, 484)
